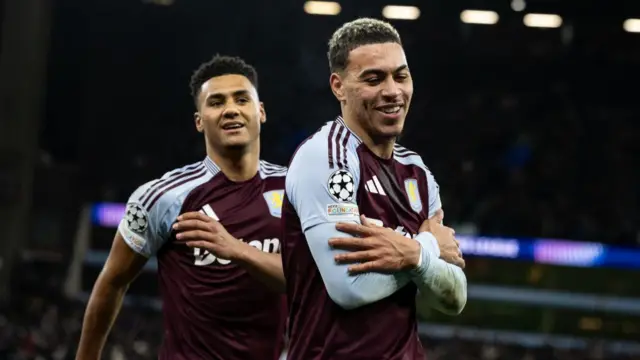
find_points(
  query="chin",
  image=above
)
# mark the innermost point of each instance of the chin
(390, 131)
(235, 145)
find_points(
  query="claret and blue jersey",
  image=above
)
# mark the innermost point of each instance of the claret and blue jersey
(212, 308)
(334, 177)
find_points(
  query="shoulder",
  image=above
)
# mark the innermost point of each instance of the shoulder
(410, 158)
(268, 169)
(325, 166)
(158, 195)
(331, 148)
(407, 157)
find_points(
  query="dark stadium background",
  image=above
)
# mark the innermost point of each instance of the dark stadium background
(531, 132)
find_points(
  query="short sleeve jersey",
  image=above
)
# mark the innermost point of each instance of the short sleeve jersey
(212, 308)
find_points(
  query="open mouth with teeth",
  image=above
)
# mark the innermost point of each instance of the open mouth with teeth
(232, 126)
(390, 109)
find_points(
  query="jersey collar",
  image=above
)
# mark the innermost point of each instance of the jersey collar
(211, 166)
(340, 121)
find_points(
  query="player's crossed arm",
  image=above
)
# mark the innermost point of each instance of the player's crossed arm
(379, 249)
(374, 248)
(436, 270)
(388, 259)
(323, 194)
(349, 290)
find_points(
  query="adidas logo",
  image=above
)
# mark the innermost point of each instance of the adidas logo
(207, 210)
(374, 186)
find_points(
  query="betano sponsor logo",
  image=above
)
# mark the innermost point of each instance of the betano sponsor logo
(204, 258)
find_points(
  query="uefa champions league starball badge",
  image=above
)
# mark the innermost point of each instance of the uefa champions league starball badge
(341, 185)
(137, 218)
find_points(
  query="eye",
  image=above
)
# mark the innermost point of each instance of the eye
(402, 77)
(372, 80)
(242, 100)
(216, 103)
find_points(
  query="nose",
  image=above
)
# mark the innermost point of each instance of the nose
(230, 113)
(390, 89)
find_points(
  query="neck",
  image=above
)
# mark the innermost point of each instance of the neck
(381, 146)
(239, 164)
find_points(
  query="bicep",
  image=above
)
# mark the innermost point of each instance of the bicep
(346, 290)
(123, 263)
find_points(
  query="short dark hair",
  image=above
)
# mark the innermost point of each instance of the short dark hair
(221, 65)
(357, 33)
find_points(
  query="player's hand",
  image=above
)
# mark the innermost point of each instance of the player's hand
(375, 248)
(449, 246)
(198, 230)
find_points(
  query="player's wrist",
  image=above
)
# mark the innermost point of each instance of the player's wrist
(428, 250)
(242, 252)
(414, 256)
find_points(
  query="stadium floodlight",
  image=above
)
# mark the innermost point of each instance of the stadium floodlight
(322, 8)
(542, 20)
(482, 17)
(631, 25)
(398, 12)
(518, 5)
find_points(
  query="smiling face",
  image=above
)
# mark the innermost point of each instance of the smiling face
(376, 88)
(229, 113)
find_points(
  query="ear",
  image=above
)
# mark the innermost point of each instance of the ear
(197, 119)
(337, 86)
(263, 113)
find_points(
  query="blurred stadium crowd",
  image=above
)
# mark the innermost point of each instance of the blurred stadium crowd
(526, 138)
(48, 329)
(549, 159)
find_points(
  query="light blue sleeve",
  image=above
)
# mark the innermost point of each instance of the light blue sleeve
(345, 290)
(146, 228)
(441, 285)
(323, 196)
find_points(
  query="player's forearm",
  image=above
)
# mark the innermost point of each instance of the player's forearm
(346, 290)
(442, 286)
(102, 310)
(265, 267)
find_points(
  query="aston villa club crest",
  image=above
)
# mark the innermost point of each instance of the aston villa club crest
(413, 194)
(274, 199)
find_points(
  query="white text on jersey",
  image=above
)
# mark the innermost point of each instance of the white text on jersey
(204, 258)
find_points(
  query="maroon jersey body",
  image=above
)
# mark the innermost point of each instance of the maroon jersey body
(212, 308)
(389, 191)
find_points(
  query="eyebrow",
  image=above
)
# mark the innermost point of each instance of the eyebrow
(380, 71)
(234, 94)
